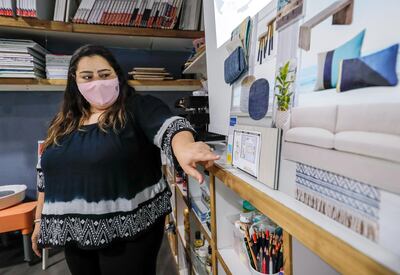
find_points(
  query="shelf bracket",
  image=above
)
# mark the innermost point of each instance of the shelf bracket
(342, 12)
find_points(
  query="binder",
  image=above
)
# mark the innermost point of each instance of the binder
(40, 9)
(190, 15)
(71, 8)
(8, 7)
(60, 10)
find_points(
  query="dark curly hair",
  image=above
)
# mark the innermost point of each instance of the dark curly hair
(75, 110)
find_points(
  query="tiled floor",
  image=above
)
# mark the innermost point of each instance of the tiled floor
(11, 260)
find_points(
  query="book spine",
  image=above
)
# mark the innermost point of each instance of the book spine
(114, 12)
(121, 12)
(126, 13)
(134, 14)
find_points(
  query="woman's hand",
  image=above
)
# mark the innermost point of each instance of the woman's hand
(34, 239)
(189, 153)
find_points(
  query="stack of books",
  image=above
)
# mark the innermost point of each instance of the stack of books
(163, 14)
(57, 66)
(150, 73)
(21, 59)
(136, 13)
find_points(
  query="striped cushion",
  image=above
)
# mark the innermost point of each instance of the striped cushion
(328, 62)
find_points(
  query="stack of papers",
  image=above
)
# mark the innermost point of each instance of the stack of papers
(21, 59)
(57, 66)
(149, 73)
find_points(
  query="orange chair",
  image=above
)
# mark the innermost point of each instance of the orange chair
(19, 217)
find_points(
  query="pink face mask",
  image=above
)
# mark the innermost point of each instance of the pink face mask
(100, 93)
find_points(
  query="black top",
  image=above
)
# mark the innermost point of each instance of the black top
(101, 186)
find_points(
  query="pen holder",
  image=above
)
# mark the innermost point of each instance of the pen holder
(260, 226)
(252, 270)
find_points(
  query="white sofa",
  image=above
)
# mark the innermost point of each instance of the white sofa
(361, 142)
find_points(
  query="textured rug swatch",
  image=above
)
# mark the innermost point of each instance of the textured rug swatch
(347, 201)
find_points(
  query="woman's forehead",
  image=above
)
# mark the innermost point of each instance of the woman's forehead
(93, 63)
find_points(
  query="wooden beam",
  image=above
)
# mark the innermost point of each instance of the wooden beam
(213, 224)
(344, 16)
(337, 253)
(36, 24)
(287, 253)
(342, 11)
(184, 85)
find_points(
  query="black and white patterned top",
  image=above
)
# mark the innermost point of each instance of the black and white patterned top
(101, 187)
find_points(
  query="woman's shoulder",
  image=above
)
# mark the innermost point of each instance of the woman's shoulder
(143, 104)
(141, 101)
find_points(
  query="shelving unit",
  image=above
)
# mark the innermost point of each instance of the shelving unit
(203, 228)
(198, 66)
(26, 84)
(181, 233)
(35, 24)
(183, 194)
(353, 253)
(231, 263)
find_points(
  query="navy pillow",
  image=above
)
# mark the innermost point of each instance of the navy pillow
(259, 99)
(377, 69)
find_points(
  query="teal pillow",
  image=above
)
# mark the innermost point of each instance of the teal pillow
(329, 62)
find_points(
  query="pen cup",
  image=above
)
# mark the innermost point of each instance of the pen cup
(252, 270)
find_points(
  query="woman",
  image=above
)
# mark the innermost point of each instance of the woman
(102, 196)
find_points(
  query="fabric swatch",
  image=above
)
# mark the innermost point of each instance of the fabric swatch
(352, 203)
(259, 99)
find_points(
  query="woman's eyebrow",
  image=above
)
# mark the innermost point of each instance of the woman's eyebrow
(99, 71)
(86, 72)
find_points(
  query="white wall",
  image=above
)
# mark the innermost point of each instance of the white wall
(219, 92)
(306, 262)
(380, 19)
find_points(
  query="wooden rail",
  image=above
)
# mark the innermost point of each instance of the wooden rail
(342, 12)
(36, 24)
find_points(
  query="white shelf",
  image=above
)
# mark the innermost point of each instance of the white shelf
(203, 226)
(198, 66)
(181, 232)
(195, 271)
(182, 192)
(366, 246)
(232, 261)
